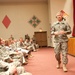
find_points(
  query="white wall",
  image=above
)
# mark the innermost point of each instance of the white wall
(49, 12)
(19, 15)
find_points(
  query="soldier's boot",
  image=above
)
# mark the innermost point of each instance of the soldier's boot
(64, 68)
(58, 65)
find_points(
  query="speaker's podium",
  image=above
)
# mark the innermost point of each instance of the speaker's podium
(71, 46)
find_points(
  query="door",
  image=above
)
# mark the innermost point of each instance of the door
(41, 38)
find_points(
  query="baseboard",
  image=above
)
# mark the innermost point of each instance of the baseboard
(50, 47)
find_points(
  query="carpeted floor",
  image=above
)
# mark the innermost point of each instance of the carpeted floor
(43, 63)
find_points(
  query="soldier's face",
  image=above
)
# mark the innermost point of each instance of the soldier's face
(59, 18)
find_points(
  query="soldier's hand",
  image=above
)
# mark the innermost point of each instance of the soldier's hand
(56, 33)
(62, 32)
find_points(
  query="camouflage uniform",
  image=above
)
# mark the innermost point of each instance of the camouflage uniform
(6, 55)
(61, 40)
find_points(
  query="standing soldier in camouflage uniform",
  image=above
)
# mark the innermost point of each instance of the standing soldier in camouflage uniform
(60, 30)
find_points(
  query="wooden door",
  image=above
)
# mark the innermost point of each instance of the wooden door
(41, 38)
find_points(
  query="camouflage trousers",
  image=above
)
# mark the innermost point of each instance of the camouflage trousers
(61, 47)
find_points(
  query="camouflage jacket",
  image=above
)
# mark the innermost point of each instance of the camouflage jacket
(57, 27)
